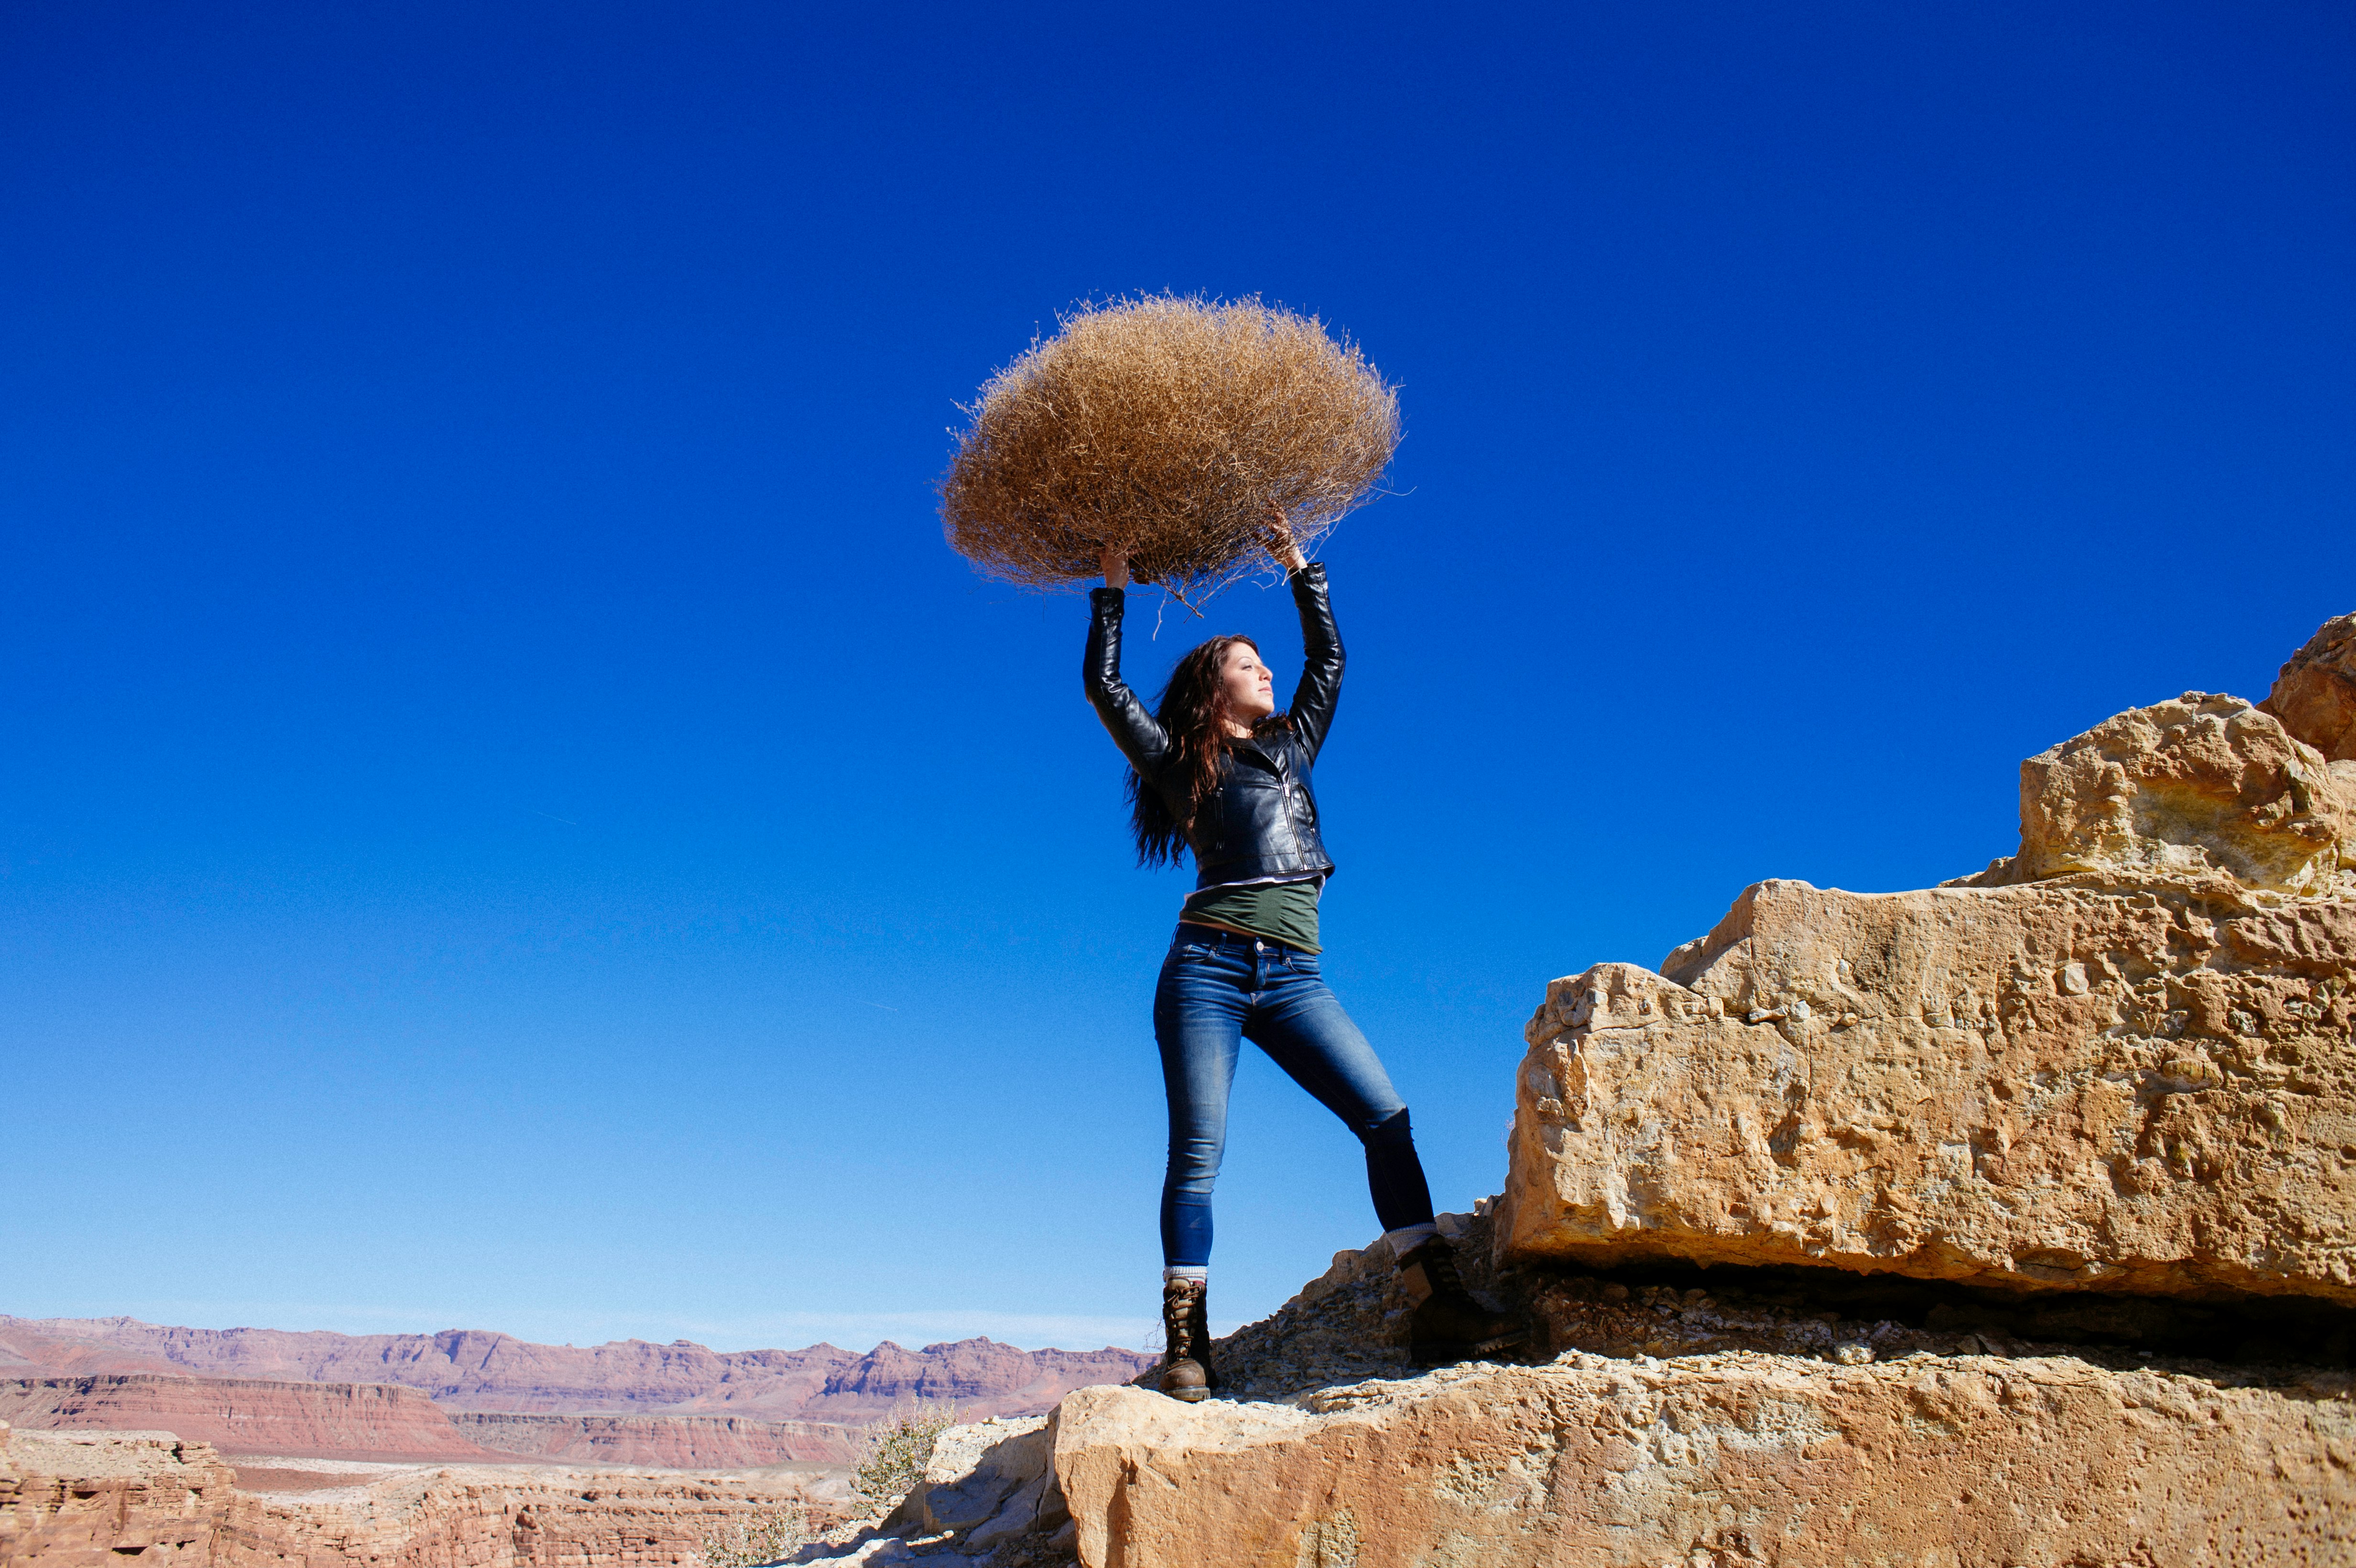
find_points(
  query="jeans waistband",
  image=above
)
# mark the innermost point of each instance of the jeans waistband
(1212, 935)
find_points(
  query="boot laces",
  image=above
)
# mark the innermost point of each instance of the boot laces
(1181, 1300)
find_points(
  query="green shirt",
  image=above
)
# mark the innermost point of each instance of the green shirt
(1282, 912)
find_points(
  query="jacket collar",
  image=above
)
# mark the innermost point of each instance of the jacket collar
(1269, 749)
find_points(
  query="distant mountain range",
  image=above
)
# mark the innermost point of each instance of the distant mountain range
(686, 1405)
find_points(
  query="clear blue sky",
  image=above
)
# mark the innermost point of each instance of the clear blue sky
(514, 819)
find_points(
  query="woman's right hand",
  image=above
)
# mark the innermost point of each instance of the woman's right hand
(1278, 536)
(1116, 566)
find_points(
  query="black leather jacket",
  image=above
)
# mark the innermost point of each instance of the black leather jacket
(1263, 822)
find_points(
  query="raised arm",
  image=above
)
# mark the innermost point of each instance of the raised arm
(1320, 651)
(1134, 729)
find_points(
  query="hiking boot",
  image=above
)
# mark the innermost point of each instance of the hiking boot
(1448, 1323)
(1185, 1341)
(1198, 1334)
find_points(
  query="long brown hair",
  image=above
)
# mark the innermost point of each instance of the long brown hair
(1195, 713)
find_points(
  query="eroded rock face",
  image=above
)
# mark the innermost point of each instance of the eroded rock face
(1724, 1460)
(2315, 695)
(67, 1504)
(2202, 787)
(2043, 1086)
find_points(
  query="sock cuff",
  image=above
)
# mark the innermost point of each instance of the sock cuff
(1406, 1238)
(1186, 1271)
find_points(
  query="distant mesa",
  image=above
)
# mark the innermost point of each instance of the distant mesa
(468, 1395)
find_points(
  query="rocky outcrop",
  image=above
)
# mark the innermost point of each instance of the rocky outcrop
(246, 1416)
(666, 1442)
(464, 1369)
(986, 1483)
(2315, 695)
(2123, 1061)
(2046, 1087)
(1744, 1423)
(72, 1500)
(1725, 1460)
(989, 1496)
(2203, 790)
(155, 1501)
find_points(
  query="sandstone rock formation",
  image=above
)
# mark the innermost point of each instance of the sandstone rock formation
(462, 1369)
(74, 1500)
(2123, 1061)
(2204, 790)
(2315, 695)
(1729, 1427)
(155, 1501)
(1721, 1460)
(2038, 1086)
(247, 1415)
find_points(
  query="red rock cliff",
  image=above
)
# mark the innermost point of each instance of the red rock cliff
(246, 1416)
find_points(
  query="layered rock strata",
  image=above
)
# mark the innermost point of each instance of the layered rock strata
(102, 1504)
(247, 1415)
(667, 1442)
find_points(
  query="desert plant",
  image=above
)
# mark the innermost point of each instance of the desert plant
(1167, 426)
(899, 1448)
(764, 1535)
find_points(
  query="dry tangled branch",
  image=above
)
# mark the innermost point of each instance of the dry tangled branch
(1165, 425)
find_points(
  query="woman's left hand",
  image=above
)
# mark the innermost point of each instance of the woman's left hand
(1280, 539)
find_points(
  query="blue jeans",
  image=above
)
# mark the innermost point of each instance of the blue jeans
(1217, 989)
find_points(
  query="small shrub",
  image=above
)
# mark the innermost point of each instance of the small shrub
(899, 1448)
(763, 1536)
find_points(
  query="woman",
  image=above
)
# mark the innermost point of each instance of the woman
(1216, 769)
